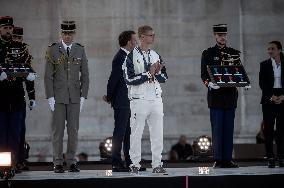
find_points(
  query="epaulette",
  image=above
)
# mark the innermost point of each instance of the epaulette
(208, 49)
(233, 49)
(204, 50)
(79, 44)
(17, 44)
(52, 44)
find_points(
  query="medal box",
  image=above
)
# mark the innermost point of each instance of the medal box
(228, 75)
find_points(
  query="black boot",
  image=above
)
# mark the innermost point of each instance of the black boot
(217, 164)
(281, 162)
(229, 164)
(271, 163)
(58, 169)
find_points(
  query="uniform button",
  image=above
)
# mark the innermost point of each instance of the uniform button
(68, 62)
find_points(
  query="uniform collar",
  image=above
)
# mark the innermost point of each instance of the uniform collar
(65, 45)
(5, 41)
(218, 47)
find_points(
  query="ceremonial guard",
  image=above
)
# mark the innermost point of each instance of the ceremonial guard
(13, 56)
(18, 36)
(66, 85)
(221, 101)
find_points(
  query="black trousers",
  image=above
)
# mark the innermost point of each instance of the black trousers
(222, 124)
(22, 156)
(121, 134)
(274, 113)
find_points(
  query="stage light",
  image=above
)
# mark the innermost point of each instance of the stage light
(5, 159)
(108, 144)
(204, 144)
(105, 148)
(202, 147)
(6, 170)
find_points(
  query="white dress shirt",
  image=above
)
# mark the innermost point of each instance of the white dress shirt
(277, 74)
(65, 46)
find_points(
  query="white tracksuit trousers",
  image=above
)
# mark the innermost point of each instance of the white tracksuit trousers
(151, 111)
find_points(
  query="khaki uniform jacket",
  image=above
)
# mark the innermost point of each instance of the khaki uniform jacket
(66, 78)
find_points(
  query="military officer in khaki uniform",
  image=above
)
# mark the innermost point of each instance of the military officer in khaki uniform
(66, 85)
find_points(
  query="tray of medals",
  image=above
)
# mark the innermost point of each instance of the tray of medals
(16, 69)
(228, 75)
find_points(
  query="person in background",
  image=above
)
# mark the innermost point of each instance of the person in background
(182, 148)
(260, 138)
(82, 156)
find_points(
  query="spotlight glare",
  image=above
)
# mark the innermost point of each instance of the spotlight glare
(5, 159)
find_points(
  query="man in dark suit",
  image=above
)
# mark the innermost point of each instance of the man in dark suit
(221, 101)
(117, 96)
(271, 80)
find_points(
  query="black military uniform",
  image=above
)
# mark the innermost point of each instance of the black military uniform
(226, 97)
(18, 32)
(222, 102)
(12, 95)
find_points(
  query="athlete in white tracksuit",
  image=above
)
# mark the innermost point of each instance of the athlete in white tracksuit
(143, 72)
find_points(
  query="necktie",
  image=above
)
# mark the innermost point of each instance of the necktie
(68, 50)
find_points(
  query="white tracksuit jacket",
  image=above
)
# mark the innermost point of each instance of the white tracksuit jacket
(136, 73)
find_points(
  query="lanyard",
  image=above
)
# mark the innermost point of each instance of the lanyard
(145, 62)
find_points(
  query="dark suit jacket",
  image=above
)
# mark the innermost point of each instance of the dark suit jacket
(117, 91)
(266, 79)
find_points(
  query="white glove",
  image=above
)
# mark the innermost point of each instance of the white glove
(247, 87)
(51, 103)
(82, 99)
(3, 76)
(213, 86)
(32, 104)
(31, 77)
